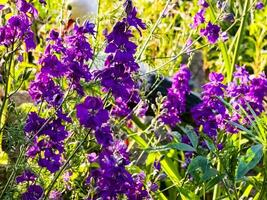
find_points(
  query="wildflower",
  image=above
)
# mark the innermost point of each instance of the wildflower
(199, 18)
(27, 176)
(112, 179)
(91, 113)
(203, 3)
(48, 141)
(211, 32)
(176, 97)
(33, 192)
(224, 36)
(55, 195)
(259, 5)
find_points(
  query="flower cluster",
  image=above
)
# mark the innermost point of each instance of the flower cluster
(111, 179)
(67, 58)
(92, 115)
(245, 94)
(120, 63)
(18, 27)
(34, 191)
(211, 31)
(210, 114)
(48, 140)
(175, 103)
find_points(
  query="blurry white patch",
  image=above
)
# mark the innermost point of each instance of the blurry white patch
(83, 9)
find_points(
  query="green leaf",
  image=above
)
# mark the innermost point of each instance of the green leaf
(3, 158)
(200, 169)
(192, 137)
(177, 146)
(249, 161)
(181, 147)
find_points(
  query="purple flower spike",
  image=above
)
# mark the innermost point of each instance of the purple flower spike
(176, 98)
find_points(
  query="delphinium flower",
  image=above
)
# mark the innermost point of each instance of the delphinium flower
(174, 105)
(247, 92)
(92, 115)
(111, 179)
(211, 113)
(199, 17)
(65, 57)
(34, 191)
(212, 32)
(244, 93)
(17, 29)
(120, 63)
(259, 5)
(55, 195)
(48, 140)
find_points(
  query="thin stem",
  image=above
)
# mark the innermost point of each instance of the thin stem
(65, 165)
(153, 30)
(239, 39)
(222, 46)
(3, 111)
(264, 183)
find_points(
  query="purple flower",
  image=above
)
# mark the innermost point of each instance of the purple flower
(112, 179)
(211, 32)
(55, 195)
(203, 3)
(132, 20)
(176, 98)
(34, 192)
(199, 18)
(259, 5)
(27, 176)
(48, 141)
(224, 36)
(26, 7)
(247, 90)
(91, 113)
(42, 2)
(44, 88)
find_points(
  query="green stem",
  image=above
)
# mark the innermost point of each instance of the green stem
(239, 39)
(264, 183)
(166, 163)
(3, 111)
(222, 46)
(152, 31)
(65, 165)
(216, 191)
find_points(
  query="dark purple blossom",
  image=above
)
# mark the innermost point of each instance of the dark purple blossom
(44, 88)
(259, 5)
(91, 113)
(112, 179)
(27, 176)
(26, 7)
(247, 90)
(48, 143)
(199, 18)
(203, 3)
(34, 192)
(212, 32)
(175, 103)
